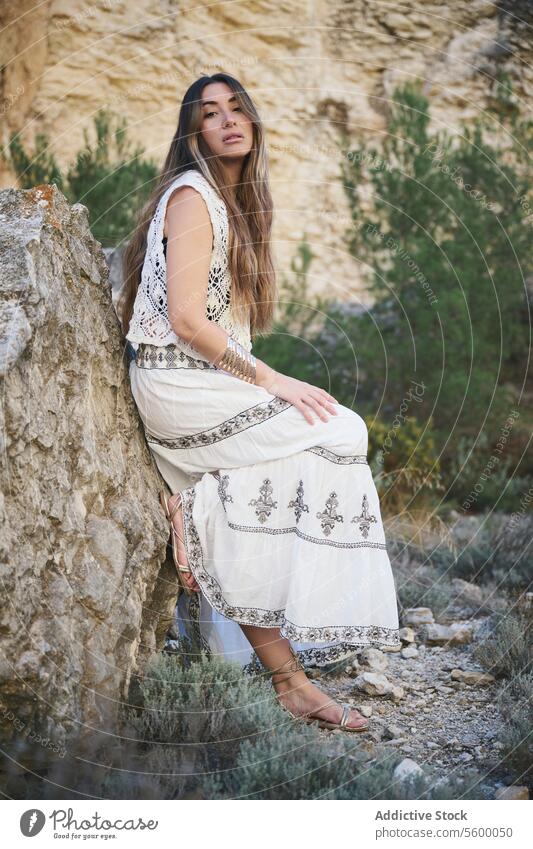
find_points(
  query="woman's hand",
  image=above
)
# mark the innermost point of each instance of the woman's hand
(303, 395)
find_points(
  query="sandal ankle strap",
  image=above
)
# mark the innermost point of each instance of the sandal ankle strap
(292, 665)
(176, 507)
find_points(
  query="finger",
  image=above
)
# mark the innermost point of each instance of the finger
(305, 410)
(326, 403)
(323, 395)
(322, 392)
(315, 405)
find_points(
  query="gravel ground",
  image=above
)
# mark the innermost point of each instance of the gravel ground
(441, 723)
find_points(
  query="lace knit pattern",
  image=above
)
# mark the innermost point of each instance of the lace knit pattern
(150, 322)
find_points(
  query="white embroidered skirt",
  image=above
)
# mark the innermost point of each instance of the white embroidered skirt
(282, 519)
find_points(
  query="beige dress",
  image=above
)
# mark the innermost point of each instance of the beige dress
(282, 518)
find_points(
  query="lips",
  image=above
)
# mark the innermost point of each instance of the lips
(233, 137)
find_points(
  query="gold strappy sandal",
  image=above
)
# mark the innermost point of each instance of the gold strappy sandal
(294, 665)
(180, 568)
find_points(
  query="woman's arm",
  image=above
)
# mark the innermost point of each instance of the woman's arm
(189, 247)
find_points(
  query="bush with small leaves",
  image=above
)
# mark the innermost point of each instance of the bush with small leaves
(210, 705)
(303, 764)
(110, 175)
(294, 761)
(498, 553)
(150, 772)
(424, 589)
(515, 702)
(507, 650)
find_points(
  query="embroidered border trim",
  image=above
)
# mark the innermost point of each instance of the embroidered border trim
(242, 421)
(315, 656)
(256, 530)
(168, 356)
(364, 634)
(309, 657)
(342, 459)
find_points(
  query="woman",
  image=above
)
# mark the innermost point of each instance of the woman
(278, 522)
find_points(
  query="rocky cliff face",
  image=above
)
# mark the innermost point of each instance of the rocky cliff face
(87, 594)
(317, 70)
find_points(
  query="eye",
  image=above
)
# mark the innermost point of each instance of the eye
(208, 114)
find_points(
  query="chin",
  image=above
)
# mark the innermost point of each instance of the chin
(235, 154)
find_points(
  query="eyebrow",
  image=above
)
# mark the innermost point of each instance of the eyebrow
(214, 102)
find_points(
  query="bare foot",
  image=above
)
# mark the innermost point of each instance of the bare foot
(300, 696)
(177, 521)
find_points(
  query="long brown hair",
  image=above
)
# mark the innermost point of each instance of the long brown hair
(249, 212)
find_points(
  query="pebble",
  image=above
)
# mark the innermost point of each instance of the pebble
(374, 683)
(407, 635)
(418, 616)
(374, 660)
(458, 633)
(406, 769)
(410, 651)
(477, 679)
(393, 731)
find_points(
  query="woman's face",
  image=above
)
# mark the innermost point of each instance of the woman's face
(225, 128)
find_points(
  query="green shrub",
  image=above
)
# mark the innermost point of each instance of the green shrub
(109, 176)
(483, 478)
(293, 346)
(210, 704)
(35, 168)
(464, 785)
(507, 650)
(288, 763)
(404, 464)
(424, 589)
(512, 558)
(297, 765)
(446, 267)
(499, 553)
(160, 772)
(515, 702)
(473, 563)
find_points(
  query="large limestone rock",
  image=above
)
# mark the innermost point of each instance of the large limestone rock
(319, 72)
(86, 591)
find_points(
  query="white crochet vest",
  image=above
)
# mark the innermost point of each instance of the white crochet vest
(149, 322)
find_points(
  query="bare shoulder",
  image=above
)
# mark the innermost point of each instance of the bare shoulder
(186, 205)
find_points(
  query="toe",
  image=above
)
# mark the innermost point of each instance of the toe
(356, 720)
